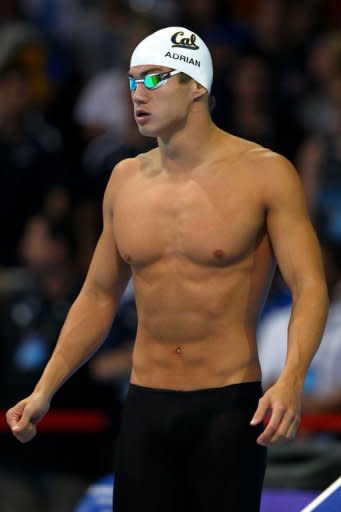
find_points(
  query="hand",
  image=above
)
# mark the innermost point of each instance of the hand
(24, 416)
(282, 401)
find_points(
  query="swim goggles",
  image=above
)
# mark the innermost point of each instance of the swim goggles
(153, 81)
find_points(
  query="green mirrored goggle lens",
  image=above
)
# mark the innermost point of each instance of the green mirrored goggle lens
(132, 83)
(151, 81)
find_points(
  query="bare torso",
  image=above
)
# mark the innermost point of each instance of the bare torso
(202, 265)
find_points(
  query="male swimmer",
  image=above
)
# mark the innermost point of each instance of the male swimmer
(198, 222)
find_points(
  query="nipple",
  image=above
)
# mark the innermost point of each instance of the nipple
(219, 253)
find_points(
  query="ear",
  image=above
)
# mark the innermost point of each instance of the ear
(198, 91)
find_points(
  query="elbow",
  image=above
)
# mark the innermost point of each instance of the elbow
(98, 295)
(315, 290)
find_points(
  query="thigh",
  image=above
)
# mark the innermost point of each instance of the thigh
(146, 477)
(227, 465)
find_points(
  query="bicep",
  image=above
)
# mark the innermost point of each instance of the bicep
(108, 273)
(292, 235)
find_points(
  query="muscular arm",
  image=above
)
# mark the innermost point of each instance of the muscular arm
(91, 315)
(85, 327)
(298, 256)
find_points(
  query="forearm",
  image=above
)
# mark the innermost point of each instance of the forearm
(85, 328)
(307, 321)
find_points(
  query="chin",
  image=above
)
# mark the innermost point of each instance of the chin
(147, 132)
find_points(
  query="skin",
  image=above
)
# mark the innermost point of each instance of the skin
(198, 222)
(312, 402)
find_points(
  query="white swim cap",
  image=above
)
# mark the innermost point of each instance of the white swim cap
(177, 48)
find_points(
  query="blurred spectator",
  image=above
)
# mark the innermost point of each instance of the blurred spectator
(332, 12)
(301, 24)
(105, 151)
(37, 44)
(53, 469)
(319, 110)
(99, 106)
(162, 12)
(57, 204)
(299, 29)
(322, 388)
(319, 163)
(100, 37)
(105, 114)
(24, 46)
(267, 26)
(31, 158)
(14, 30)
(10, 9)
(103, 104)
(253, 111)
(56, 18)
(250, 115)
(201, 15)
(79, 217)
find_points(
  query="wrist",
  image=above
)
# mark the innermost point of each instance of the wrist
(292, 379)
(43, 393)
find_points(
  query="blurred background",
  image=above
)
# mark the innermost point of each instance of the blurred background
(65, 121)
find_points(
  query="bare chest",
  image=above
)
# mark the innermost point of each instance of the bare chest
(208, 223)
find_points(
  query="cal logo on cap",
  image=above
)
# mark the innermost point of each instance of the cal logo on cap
(184, 42)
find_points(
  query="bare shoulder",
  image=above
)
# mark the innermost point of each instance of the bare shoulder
(251, 155)
(122, 172)
(269, 164)
(274, 179)
(128, 169)
(274, 173)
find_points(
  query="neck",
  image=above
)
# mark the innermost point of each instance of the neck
(189, 146)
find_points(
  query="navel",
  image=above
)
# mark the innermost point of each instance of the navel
(219, 254)
(178, 350)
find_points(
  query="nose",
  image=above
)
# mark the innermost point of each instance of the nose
(140, 94)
